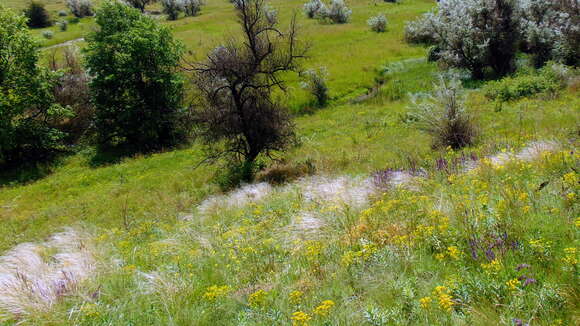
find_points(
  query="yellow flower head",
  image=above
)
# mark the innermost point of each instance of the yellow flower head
(257, 299)
(425, 302)
(300, 318)
(296, 296)
(324, 308)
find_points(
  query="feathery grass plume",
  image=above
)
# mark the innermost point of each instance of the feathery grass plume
(444, 116)
(33, 277)
(306, 224)
(237, 198)
(344, 190)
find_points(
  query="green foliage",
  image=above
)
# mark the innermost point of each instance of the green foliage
(27, 108)
(137, 91)
(236, 173)
(37, 15)
(513, 88)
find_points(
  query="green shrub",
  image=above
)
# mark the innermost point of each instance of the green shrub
(37, 15)
(544, 81)
(137, 91)
(28, 111)
(283, 173)
(236, 173)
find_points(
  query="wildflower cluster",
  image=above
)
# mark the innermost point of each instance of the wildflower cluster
(215, 291)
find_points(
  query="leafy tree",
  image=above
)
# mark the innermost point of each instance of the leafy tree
(137, 91)
(27, 108)
(238, 116)
(37, 15)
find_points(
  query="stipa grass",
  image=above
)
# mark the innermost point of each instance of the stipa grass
(35, 276)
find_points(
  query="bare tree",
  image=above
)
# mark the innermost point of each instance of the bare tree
(238, 116)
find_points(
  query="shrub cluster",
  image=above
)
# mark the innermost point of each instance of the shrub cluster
(471, 34)
(336, 12)
(378, 23)
(172, 8)
(80, 8)
(485, 34)
(547, 81)
(551, 31)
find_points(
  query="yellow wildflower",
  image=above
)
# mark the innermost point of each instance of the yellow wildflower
(257, 299)
(296, 296)
(425, 302)
(453, 252)
(324, 308)
(513, 284)
(300, 318)
(570, 257)
(493, 267)
(213, 292)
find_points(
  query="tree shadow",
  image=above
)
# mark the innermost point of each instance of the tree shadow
(104, 156)
(21, 174)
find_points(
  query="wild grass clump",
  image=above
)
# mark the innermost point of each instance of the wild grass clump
(444, 116)
(378, 23)
(314, 81)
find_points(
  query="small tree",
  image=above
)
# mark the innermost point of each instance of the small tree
(139, 4)
(192, 7)
(27, 108)
(315, 83)
(313, 7)
(551, 30)
(72, 91)
(236, 83)
(472, 34)
(172, 8)
(37, 15)
(137, 91)
(80, 8)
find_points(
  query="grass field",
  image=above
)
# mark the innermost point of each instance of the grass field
(488, 246)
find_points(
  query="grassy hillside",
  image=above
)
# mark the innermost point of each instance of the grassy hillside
(155, 243)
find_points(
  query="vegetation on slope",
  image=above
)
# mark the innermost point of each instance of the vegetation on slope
(482, 235)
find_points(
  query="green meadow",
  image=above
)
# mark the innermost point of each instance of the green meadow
(493, 245)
